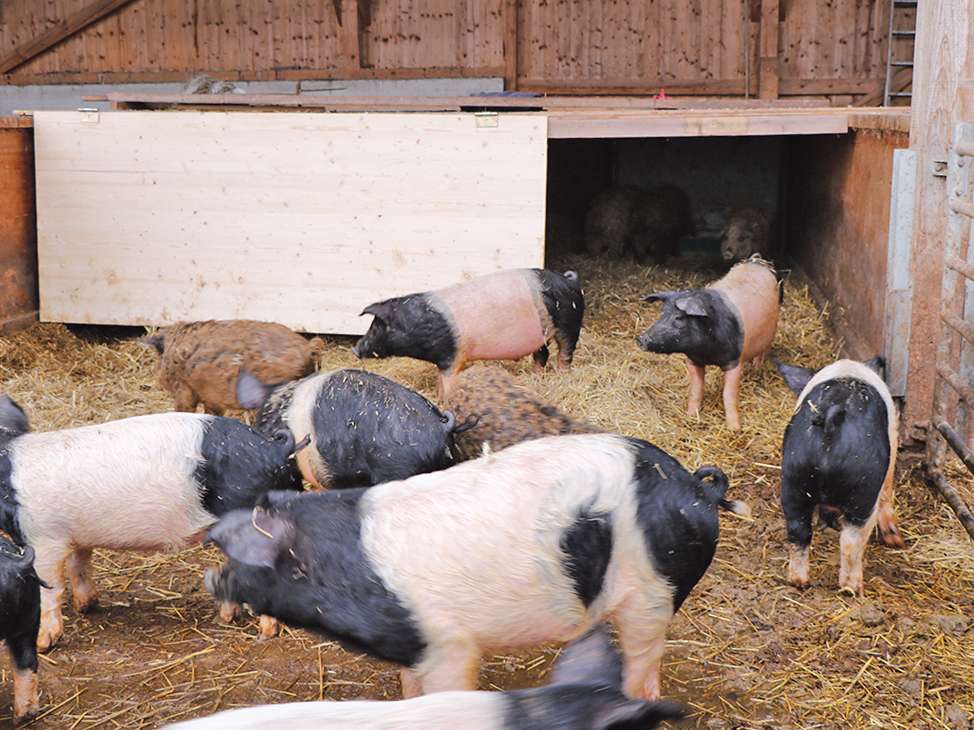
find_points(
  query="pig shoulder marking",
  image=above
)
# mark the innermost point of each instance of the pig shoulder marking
(136, 471)
(751, 290)
(498, 316)
(438, 711)
(858, 371)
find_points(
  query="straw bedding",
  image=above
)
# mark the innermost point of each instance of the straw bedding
(746, 650)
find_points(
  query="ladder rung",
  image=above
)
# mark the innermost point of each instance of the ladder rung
(901, 63)
(905, 33)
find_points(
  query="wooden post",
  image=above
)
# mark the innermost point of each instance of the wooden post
(511, 22)
(943, 94)
(59, 32)
(351, 39)
(768, 45)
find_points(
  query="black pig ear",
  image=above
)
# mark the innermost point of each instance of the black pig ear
(876, 364)
(796, 378)
(254, 537)
(590, 659)
(12, 416)
(660, 296)
(691, 305)
(637, 714)
(378, 310)
(251, 393)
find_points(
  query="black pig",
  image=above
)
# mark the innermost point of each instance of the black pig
(20, 608)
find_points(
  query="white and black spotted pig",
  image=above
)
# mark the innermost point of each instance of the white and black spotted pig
(20, 619)
(146, 483)
(364, 429)
(839, 457)
(535, 543)
(501, 316)
(584, 692)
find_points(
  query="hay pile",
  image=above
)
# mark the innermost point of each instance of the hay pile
(746, 650)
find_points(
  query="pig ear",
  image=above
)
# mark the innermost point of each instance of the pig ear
(254, 537)
(876, 364)
(590, 659)
(795, 377)
(12, 416)
(691, 305)
(251, 393)
(378, 310)
(156, 341)
(660, 296)
(636, 714)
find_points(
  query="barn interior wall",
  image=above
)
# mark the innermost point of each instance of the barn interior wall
(837, 190)
(18, 237)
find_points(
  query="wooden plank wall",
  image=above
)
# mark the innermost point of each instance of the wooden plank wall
(714, 47)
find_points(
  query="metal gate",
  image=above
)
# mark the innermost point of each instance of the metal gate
(953, 412)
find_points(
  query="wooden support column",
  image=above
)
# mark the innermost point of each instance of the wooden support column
(943, 94)
(350, 36)
(768, 61)
(511, 23)
(59, 32)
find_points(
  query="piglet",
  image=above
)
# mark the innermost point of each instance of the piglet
(584, 692)
(500, 316)
(535, 543)
(199, 362)
(20, 610)
(501, 412)
(608, 221)
(745, 234)
(364, 429)
(839, 456)
(728, 324)
(660, 219)
(146, 483)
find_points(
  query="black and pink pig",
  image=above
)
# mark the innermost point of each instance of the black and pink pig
(729, 323)
(838, 458)
(535, 543)
(500, 316)
(152, 482)
(20, 619)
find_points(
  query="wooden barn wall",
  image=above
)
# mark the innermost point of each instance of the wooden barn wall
(796, 47)
(18, 237)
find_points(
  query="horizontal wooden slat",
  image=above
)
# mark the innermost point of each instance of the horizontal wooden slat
(149, 218)
(565, 125)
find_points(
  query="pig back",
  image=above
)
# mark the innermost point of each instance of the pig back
(495, 317)
(752, 289)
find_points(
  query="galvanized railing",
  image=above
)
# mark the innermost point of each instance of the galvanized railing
(953, 390)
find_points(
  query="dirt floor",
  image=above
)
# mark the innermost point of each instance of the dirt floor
(745, 651)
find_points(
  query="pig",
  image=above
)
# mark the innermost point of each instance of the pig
(661, 217)
(364, 429)
(729, 323)
(608, 221)
(20, 608)
(584, 692)
(745, 234)
(502, 412)
(145, 483)
(535, 543)
(199, 362)
(500, 316)
(839, 456)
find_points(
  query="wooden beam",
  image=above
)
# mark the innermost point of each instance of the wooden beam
(829, 86)
(349, 36)
(59, 32)
(721, 123)
(616, 86)
(768, 62)
(511, 24)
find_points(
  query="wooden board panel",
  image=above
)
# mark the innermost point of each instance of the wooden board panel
(150, 218)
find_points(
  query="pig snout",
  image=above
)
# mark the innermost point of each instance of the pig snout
(357, 350)
(653, 341)
(727, 254)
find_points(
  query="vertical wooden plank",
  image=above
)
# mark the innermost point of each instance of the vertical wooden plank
(768, 63)
(511, 32)
(350, 39)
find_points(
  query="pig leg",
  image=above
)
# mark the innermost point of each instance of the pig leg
(886, 516)
(23, 652)
(268, 627)
(696, 375)
(852, 544)
(49, 565)
(732, 384)
(411, 684)
(450, 667)
(185, 399)
(84, 596)
(566, 342)
(540, 358)
(798, 509)
(641, 622)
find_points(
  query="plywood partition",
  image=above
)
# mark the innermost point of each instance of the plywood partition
(150, 218)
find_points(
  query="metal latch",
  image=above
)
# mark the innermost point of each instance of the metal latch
(939, 168)
(89, 114)
(486, 120)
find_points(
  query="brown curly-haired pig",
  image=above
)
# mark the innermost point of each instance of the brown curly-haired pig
(200, 362)
(502, 412)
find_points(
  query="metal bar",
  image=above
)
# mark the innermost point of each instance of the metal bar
(952, 498)
(901, 93)
(901, 63)
(960, 266)
(954, 381)
(904, 33)
(889, 56)
(957, 444)
(964, 207)
(959, 325)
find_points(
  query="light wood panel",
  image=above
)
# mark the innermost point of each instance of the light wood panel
(150, 218)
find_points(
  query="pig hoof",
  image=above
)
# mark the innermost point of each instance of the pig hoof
(799, 581)
(228, 612)
(26, 716)
(85, 603)
(852, 591)
(891, 537)
(47, 639)
(268, 628)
